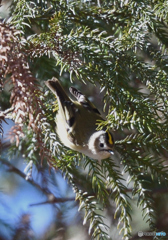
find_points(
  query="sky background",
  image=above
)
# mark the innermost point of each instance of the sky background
(16, 196)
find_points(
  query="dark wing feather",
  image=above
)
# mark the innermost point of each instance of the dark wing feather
(83, 100)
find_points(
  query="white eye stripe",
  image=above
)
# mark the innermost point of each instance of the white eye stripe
(101, 138)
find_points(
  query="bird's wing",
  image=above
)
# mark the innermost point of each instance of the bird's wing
(83, 100)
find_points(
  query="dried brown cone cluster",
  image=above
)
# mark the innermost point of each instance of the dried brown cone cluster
(25, 93)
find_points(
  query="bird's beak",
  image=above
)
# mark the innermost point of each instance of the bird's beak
(111, 152)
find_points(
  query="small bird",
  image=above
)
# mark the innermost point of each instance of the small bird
(77, 121)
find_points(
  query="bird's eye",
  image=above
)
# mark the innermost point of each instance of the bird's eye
(101, 145)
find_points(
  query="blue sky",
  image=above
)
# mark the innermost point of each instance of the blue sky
(16, 196)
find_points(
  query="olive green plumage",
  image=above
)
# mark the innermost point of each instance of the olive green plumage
(77, 122)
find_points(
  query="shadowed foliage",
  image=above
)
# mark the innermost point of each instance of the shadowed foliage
(120, 48)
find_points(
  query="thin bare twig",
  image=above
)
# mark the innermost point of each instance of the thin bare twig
(51, 198)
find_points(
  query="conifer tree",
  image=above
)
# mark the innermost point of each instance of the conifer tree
(120, 47)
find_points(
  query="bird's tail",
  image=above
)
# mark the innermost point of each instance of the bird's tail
(55, 86)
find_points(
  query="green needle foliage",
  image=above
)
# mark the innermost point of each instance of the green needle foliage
(120, 46)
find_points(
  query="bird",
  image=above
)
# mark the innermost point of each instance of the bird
(77, 122)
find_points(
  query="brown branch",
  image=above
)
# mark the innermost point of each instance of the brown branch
(51, 198)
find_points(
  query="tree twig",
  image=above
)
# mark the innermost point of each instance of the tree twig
(50, 195)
